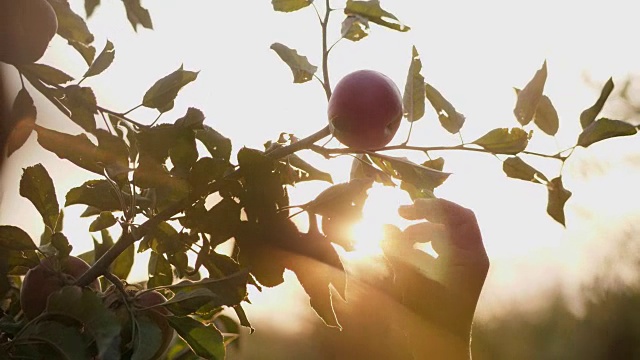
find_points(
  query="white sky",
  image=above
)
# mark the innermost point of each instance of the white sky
(473, 52)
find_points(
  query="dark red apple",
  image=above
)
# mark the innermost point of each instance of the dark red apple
(365, 110)
(26, 28)
(48, 277)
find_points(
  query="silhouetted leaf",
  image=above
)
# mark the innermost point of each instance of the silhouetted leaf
(71, 26)
(290, 5)
(103, 221)
(302, 70)
(37, 186)
(103, 61)
(546, 117)
(192, 120)
(419, 176)
(96, 193)
(355, 28)
(312, 172)
(588, 116)
(148, 336)
(21, 122)
(205, 340)
(558, 196)
(516, 168)
(160, 273)
(88, 52)
(529, 97)
(603, 129)
(338, 198)
(361, 167)
(47, 74)
(449, 118)
(414, 90)
(90, 6)
(372, 11)
(504, 141)
(14, 238)
(162, 94)
(137, 14)
(82, 105)
(217, 145)
(86, 307)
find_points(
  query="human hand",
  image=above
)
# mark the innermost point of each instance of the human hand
(443, 291)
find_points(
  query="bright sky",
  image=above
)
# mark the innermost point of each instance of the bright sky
(473, 52)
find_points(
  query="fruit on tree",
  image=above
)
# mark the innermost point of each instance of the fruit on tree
(26, 28)
(365, 110)
(136, 305)
(51, 275)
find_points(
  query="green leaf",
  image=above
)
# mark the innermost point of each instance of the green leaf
(97, 193)
(160, 273)
(137, 15)
(372, 11)
(504, 141)
(86, 307)
(71, 26)
(449, 118)
(47, 74)
(90, 6)
(217, 145)
(589, 115)
(121, 266)
(21, 122)
(162, 94)
(14, 238)
(163, 239)
(355, 28)
(558, 196)
(56, 339)
(228, 290)
(603, 129)
(205, 340)
(516, 168)
(148, 336)
(103, 221)
(37, 186)
(302, 70)
(103, 61)
(529, 97)
(414, 90)
(290, 5)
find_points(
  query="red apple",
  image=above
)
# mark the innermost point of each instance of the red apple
(365, 110)
(48, 277)
(26, 28)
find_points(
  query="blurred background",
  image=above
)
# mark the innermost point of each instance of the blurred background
(552, 292)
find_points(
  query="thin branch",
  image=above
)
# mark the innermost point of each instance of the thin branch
(325, 52)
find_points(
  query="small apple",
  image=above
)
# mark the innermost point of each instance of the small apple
(365, 110)
(138, 307)
(49, 276)
(26, 28)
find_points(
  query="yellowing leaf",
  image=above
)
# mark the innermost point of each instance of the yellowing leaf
(372, 11)
(300, 67)
(530, 96)
(604, 129)
(589, 115)
(290, 5)
(413, 98)
(504, 141)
